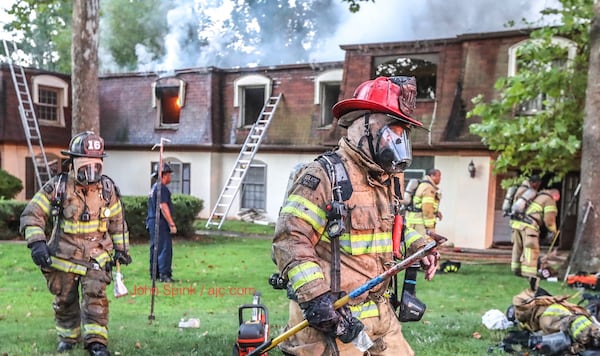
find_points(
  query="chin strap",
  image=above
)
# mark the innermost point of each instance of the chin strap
(368, 136)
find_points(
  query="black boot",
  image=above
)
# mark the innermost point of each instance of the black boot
(167, 279)
(64, 346)
(98, 349)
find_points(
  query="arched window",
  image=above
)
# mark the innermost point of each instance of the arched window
(250, 95)
(327, 92)
(565, 53)
(50, 95)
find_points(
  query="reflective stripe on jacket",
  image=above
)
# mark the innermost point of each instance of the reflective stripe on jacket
(90, 227)
(301, 247)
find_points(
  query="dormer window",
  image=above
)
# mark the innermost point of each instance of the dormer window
(168, 98)
(50, 96)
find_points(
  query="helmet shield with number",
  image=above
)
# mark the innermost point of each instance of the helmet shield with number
(86, 149)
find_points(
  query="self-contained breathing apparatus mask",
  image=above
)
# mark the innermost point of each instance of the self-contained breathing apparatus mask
(87, 170)
(393, 150)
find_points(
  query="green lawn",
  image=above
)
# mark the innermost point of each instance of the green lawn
(216, 276)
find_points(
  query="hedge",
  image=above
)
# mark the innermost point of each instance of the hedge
(186, 209)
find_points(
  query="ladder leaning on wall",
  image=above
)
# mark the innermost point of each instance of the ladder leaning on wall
(28, 118)
(242, 163)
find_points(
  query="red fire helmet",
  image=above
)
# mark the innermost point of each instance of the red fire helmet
(390, 95)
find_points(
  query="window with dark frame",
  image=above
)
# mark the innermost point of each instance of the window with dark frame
(170, 107)
(330, 93)
(48, 104)
(422, 67)
(253, 101)
(180, 178)
(254, 188)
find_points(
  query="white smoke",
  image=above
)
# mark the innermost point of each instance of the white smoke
(381, 21)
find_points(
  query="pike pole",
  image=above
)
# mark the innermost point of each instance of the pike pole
(156, 226)
(370, 284)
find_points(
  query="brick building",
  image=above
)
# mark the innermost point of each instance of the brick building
(206, 113)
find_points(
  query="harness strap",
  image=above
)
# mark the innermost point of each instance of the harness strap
(341, 189)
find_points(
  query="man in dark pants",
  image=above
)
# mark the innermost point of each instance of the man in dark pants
(166, 227)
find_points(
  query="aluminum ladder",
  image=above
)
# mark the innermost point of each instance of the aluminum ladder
(242, 163)
(28, 118)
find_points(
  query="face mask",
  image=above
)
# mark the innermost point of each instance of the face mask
(393, 150)
(87, 170)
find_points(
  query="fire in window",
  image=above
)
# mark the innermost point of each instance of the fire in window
(169, 95)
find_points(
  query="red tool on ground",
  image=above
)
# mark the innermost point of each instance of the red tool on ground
(254, 332)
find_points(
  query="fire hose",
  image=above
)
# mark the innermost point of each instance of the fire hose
(370, 284)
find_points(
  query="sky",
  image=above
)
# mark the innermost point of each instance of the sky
(404, 20)
(381, 21)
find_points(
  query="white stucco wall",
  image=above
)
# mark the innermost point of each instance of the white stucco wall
(466, 201)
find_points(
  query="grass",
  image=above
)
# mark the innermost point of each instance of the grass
(217, 275)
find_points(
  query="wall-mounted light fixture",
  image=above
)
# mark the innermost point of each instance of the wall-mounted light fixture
(472, 170)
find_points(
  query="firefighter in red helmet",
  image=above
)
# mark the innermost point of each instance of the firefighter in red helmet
(89, 235)
(373, 154)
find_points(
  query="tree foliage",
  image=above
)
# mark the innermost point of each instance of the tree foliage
(548, 140)
(129, 24)
(179, 33)
(45, 26)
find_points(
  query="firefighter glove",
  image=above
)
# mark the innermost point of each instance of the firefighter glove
(321, 315)
(122, 257)
(40, 254)
(349, 327)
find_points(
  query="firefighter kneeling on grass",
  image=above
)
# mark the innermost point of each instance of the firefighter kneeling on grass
(89, 226)
(553, 325)
(367, 163)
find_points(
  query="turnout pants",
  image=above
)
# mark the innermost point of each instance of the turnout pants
(525, 252)
(72, 315)
(384, 330)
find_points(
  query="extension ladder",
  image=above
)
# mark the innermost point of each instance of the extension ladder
(242, 163)
(28, 118)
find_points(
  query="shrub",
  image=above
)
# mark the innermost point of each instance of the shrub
(10, 214)
(10, 185)
(185, 207)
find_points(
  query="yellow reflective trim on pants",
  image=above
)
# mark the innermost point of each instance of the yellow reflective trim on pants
(68, 266)
(414, 218)
(579, 325)
(303, 273)
(429, 222)
(34, 232)
(68, 333)
(42, 201)
(307, 211)
(365, 310)
(95, 329)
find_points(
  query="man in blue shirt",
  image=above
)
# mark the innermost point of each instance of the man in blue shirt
(166, 227)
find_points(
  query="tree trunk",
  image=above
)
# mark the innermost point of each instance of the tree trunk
(585, 253)
(84, 76)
